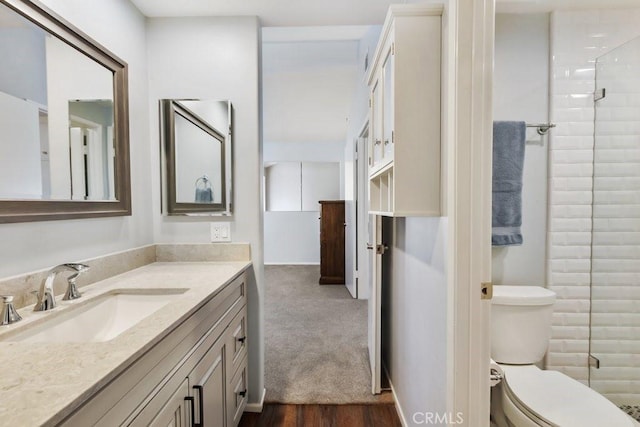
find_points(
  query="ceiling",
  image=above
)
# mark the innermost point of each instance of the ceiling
(275, 13)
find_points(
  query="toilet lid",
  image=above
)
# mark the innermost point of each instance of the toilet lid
(558, 400)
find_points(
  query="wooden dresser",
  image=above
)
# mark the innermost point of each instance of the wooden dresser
(332, 225)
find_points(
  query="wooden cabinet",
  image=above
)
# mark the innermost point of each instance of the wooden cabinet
(405, 101)
(332, 224)
(196, 375)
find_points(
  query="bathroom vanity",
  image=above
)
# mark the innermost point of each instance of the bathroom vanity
(183, 364)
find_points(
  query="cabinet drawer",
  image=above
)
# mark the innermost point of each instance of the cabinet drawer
(237, 395)
(236, 342)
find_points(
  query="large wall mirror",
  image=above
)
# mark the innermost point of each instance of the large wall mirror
(197, 156)
(64, 133)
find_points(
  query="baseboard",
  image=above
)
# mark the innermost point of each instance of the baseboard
(398, 406)
(256, 407)
(291, 263)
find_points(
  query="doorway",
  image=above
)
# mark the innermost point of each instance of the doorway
(315, 335)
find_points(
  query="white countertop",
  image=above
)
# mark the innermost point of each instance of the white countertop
(41, 383)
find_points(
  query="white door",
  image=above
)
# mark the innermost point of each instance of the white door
(375, 305)
(351, 229)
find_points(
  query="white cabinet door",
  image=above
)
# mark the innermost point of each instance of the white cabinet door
(207, 383)
(387, 106)
(377, 149)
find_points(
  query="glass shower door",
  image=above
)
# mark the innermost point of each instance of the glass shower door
(615, 242)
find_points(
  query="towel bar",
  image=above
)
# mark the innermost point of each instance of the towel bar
(543, 128)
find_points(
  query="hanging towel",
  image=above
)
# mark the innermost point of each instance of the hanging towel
(204, 195)
(508, 162)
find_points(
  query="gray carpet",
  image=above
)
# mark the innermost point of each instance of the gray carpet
(315, 340)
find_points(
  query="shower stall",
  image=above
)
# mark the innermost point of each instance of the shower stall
(614, 342)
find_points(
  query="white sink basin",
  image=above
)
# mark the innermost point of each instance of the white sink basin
(100, 319)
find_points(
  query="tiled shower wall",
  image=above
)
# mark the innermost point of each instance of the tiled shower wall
(577, 39)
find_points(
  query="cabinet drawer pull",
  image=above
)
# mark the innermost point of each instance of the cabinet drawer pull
(378, 142)
(192, 405)
(386, 142)
(241, 339)
(242, 393)
(198, 388)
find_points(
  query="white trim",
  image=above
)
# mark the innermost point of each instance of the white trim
(396, 401)
(256, 407)
(362, 200)
(291, 263)
(470, 62)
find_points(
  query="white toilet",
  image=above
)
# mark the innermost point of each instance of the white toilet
(527, 395)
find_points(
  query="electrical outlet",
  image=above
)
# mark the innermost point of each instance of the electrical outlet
(220, 232)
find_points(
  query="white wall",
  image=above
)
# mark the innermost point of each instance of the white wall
(577, 39)
(31, 246)
(285, 243)
(20, 168)
(215, 58)
(521, 92)
(70, 76)
(291, 238)
(283, 186)
(414, 314)
(25, 75)
(307, 90)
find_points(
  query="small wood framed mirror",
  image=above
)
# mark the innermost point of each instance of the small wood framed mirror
(197, 154)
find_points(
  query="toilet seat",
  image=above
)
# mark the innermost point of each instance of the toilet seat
(550, 398)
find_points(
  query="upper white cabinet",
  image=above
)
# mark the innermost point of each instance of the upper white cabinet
(405, 119)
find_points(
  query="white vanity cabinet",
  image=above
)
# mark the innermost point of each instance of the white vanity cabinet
(405, 104)
(194, 376)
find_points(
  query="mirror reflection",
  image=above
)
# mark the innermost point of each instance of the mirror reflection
(198, 156)
(57, 124)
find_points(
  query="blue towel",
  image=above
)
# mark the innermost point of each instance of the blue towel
(508, 162)
(204, 195)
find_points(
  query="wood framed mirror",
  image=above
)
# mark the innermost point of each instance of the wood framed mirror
(64, 150)
(197, 154)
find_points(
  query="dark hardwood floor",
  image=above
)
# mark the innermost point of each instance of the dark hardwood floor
(277, 415)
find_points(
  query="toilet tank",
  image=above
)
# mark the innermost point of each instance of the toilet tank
(520, 323)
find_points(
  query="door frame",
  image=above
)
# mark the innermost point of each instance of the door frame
(374, 304)
(361, 274)
(468, 63)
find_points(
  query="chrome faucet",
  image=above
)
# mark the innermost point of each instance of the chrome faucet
(46, 299)
(9, 313)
